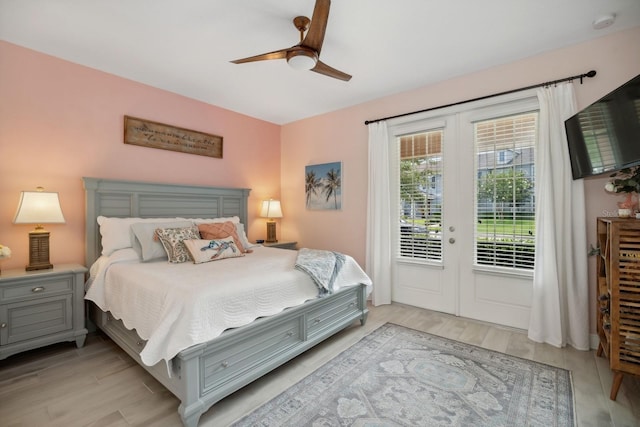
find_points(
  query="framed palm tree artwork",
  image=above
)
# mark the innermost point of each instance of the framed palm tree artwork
(323, 186)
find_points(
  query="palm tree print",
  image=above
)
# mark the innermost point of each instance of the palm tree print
(311, 185)
(323, 184)
(331, 186)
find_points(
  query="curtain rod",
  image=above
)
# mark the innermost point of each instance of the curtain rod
(553, 82)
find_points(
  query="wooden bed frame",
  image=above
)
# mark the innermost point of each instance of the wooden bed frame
(205, 373)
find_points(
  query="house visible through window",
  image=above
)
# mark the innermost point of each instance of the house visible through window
(505, 207)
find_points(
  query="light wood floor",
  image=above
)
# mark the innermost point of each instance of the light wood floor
(99, 385)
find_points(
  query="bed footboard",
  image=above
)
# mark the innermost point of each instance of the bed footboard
(205, 373)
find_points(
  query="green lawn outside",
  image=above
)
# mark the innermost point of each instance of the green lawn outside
(524, 227)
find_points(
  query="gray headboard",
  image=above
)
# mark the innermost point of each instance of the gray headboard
(123, 199)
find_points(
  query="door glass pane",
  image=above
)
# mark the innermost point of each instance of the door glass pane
(420, 203)
(505, 203)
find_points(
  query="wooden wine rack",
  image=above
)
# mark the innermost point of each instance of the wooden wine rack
(618, 295)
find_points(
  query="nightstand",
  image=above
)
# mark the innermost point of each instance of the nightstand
(281, 245)
(41, 307)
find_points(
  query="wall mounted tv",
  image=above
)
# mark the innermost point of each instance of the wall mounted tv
(605, 136)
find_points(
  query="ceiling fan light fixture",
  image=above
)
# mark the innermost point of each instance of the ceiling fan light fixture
(302, 60)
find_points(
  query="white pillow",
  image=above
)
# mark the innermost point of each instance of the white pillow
(145, 242)
(233, 219)
(115, 232)
(243, 236)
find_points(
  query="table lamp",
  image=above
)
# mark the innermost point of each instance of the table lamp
(39, 207)
(271, 209)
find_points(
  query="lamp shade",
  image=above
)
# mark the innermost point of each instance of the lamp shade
(39, 207)
(271, 209)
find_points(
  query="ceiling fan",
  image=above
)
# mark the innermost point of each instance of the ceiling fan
(306, 54)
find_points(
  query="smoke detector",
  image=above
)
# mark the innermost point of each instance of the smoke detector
(603, 21)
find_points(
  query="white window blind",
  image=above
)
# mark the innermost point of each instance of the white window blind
(505, 205)
(420, 204)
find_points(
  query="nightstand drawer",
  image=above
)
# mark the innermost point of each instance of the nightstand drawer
(36, 288)
(31, 319)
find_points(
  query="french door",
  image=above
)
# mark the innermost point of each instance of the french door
(463, 228)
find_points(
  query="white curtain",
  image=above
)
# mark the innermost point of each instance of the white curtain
(378, 243)
(560, 306)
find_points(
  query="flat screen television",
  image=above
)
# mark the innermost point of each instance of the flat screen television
(605, 136)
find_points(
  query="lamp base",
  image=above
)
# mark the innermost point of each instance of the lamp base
(38, 251)
(32, 267)
(271, 232)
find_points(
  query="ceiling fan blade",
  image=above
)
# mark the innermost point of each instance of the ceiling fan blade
(322, 68)
(277, 54)
(315, 35)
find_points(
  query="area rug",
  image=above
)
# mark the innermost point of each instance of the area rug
(397, 376)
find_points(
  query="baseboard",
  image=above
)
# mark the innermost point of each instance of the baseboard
(594, 340)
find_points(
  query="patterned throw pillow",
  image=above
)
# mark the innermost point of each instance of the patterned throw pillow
(172, 238)
(212, 250)
(221, 230)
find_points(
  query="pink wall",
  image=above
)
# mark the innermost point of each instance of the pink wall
(342, 135)
(60, 121)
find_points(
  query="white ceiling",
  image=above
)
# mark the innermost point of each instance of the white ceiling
(184, 46)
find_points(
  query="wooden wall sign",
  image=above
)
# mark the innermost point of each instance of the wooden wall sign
(146, 133)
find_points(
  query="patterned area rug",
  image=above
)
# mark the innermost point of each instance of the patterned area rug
(397, 376)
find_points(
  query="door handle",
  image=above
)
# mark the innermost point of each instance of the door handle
(452, 240)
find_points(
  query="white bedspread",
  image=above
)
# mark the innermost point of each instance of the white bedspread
(174, 306)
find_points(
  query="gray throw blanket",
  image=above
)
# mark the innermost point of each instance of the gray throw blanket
(322, 266)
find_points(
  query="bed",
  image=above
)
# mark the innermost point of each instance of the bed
(204, 373)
